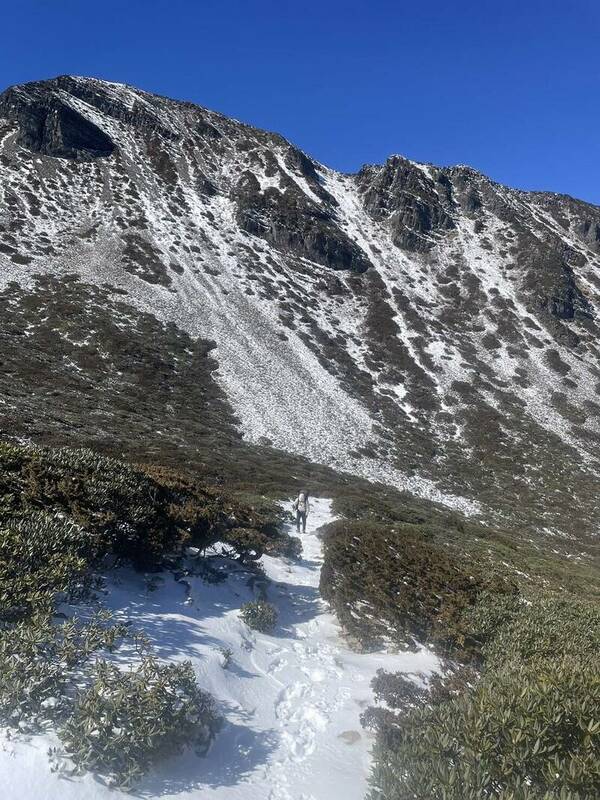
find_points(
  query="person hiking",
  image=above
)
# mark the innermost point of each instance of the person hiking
(302, 507)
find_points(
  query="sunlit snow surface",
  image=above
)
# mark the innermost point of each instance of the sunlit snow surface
(292, 700)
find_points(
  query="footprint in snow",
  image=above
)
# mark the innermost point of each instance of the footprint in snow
(350, 737)
(284, 705)
(302, 719)
(277, 664)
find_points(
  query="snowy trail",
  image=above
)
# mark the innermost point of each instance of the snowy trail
(292, 699)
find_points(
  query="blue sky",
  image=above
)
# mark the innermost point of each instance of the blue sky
(511, 88)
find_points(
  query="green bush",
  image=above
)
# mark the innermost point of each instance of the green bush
(121, 509)
(138, 513)
(390, 583)
(113, 722)
(526, 732)
(250, 544)
(42, 663)
(40, 557)
(126, 721)
(62, 511)
(546, 626)
(527, 729)
(259, 615)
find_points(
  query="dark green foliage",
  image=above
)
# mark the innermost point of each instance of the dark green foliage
(42, 663)
(390, 583)
(40, 557)
(98, 373)
(259, 615)
(250, 544)
(545, 626)
(126, 721)
(249, 524)
(138, 513)
(569, 563)
(527, 729)
(61, 512)
(121, 509)
(525, 732)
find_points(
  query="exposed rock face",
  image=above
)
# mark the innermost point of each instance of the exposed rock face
(288, 219)
(51, 126)
(415, 204)
(420, 325)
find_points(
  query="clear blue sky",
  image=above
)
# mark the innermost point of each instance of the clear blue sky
(511, 87)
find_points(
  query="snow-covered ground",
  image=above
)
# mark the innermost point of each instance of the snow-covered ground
(291, 700)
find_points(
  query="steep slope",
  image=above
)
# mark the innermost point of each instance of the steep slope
(418, 325)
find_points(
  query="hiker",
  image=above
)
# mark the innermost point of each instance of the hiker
(301, 506)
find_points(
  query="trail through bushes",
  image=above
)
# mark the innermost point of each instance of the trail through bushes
(62, 514)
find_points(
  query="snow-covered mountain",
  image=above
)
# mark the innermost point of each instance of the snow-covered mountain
(418, 325)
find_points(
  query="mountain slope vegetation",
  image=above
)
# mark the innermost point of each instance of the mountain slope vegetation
(418, 325)
(197, 321)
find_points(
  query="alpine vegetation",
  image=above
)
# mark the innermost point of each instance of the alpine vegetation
(200, 322)
(526, 728)
(127, 720)
(513, 713)
(260, 615)
(65, 515)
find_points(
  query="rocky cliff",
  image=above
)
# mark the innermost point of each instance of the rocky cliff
(176, 277)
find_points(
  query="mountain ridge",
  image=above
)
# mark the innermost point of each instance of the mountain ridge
(395, 155)
(421, 325)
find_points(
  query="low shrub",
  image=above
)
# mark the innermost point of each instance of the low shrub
(127, 721)
(247, 543)
(525, 732)
(61, 512)
(250, 544)
(285, 546)
(140, 512)
(41, 556)
(545, 626)
(390, 583)
(259, 615)
(526, 728)
(121, 509)
(42, 663)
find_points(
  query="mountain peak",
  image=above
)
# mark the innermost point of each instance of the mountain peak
(414, 324)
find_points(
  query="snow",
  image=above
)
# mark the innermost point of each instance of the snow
(291, 700)
(275, 370)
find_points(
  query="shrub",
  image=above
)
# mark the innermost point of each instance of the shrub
(260, 615)
(248, 543)
(121, 509)
(286, 546)
(527, 729)
(126, 511)
(526, 732)
(139, 513)
(547, 626)
(126, 721)
(226, 656)
(42, 663)
(113, 722)
(251, 544)
(40, 556)
(60, 512)
(386, 582)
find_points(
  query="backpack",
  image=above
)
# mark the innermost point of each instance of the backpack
(300, 503)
